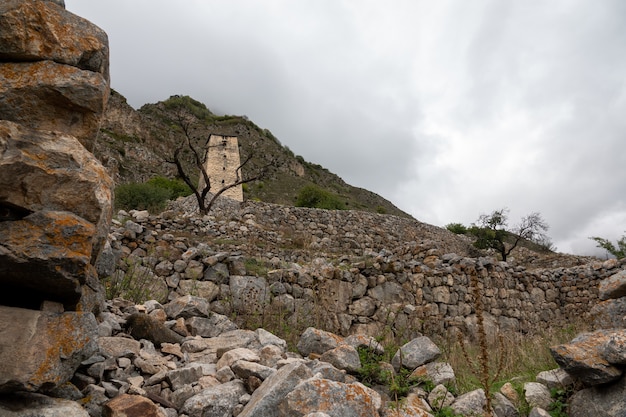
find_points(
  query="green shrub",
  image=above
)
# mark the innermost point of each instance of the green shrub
(141, 197)
(316, 197)
(457, 228)
(177, 187)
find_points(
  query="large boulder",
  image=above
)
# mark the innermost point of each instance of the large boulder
(49, 96)
(331, 397)
(417, 352)
(583, 358)
(604, 400)
(52, 171)
(41, 30)
(265, 400)
(613, 286)
(42, 350)
(44, 256)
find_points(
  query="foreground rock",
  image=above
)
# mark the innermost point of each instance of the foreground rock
(40, 350)
(55, 203)
(583, 358)
(68, 178)
(54, 73)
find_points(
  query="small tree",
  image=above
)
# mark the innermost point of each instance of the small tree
(618, 251)
(187, 122)
(490, 231)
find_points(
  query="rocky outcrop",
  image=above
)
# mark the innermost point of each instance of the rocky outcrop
(54, 72)
(55, 202)
(597, 359)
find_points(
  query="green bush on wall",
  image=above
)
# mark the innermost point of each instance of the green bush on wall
(315, 197)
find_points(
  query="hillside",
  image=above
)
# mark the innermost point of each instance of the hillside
(133, 145)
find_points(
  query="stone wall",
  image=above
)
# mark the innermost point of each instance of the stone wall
(351, 272)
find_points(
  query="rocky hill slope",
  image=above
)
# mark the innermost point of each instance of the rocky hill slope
(133, 145)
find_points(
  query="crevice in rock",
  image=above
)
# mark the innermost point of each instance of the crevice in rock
(11, 212)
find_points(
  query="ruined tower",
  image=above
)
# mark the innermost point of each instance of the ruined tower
(222, 161)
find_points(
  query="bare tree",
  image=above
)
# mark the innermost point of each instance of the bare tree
(491, 231)
(188, 124)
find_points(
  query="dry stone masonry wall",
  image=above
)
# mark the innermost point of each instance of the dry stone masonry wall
(383, 280)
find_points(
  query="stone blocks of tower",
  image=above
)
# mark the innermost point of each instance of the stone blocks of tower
(222, 162)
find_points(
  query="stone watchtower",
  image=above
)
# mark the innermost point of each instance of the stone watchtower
(222, 161)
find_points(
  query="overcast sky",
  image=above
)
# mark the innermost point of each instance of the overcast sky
(449, 109)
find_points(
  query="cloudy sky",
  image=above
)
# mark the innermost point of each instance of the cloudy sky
(448, 108)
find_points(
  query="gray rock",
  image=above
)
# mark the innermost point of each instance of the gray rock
(609, 314)
(178, 378)
(417, 352)
(212, 326)
(363, 341)
(363, 307)
(325, 370)
(234, 355)
(471, 403)
(265, 400)
(503, 407)
(118, 347)
(582, 358)
(317, 341)
(266, 338)
(217, 273)
(250, 295)
(613, 286)
(245, 369)
(537, 395)
(555, 378)
(604, 400)
(614, 349)
(40, 350)
(204, 289)
(23, 404)
(436, 372)
(440, 397)
(187, 306)
(343, 357)
(322, 395)
(539, 412)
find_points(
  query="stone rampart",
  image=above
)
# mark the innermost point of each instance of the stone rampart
(352, 272)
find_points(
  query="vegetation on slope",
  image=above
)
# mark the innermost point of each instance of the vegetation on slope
(135, 144)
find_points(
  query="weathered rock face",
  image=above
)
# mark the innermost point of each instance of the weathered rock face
(41, 350)
(54, 74)
(37, 31)
(52, 171)
(50, 96)
(55, 200)
(583, 358)
(45, 256)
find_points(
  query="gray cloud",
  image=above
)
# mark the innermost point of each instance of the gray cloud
(449, 109)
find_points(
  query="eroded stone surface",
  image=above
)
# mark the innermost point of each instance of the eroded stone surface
(52, 171)
(55, 97)
(40, 350)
